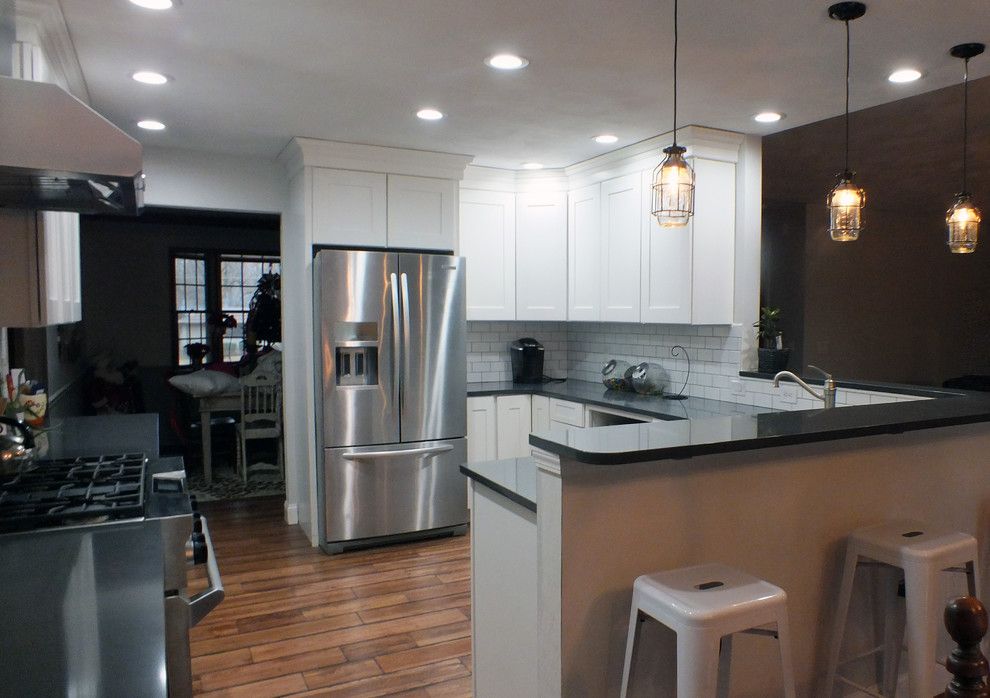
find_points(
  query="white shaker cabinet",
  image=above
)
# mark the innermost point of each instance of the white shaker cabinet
(488, 242)
(622, 216)
(541, 413)
(39, 269)
(541, 256)
(349, 208)
(481, 433)
(513, 423)
(584, 249)
(666, 266)
(713, 242)
(422, 212)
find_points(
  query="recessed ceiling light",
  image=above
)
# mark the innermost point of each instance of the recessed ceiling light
(151, 125)
(606, 138)
(153, 4)
(429, 114)
(150, 77)
(506, 61)
(904, 75)
(532, 166)
(768, 117)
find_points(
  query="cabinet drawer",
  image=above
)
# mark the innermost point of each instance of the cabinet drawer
(571, 413)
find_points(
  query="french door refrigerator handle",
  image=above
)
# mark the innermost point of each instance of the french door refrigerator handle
(405, 323)
(202, 603)
(425, 451)
(394, 283)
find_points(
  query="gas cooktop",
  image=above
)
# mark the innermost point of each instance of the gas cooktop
(78, 490)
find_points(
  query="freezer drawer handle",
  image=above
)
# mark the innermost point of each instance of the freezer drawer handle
(202, 603)
(423, 452)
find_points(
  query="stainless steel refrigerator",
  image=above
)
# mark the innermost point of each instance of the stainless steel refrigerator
(391, 407)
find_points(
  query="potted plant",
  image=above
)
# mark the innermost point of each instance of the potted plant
(773, 355)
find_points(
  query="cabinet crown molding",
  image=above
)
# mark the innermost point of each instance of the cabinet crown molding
(313, 152)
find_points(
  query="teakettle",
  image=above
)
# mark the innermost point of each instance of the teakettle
(16, 444)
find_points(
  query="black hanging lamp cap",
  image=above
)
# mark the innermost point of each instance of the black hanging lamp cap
(672, 149)
(847, 11)
(967, 50)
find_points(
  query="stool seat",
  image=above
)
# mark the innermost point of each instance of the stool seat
(705, 594)
(903, 542)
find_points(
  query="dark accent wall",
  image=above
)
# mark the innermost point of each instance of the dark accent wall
(895, 305)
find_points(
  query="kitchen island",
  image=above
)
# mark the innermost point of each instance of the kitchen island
(774, 494)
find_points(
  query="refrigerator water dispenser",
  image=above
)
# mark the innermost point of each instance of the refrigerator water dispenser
(357, 363)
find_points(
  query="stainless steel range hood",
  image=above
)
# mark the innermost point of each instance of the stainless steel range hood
(57, 154)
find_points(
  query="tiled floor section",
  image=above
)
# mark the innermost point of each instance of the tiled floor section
(392, 621)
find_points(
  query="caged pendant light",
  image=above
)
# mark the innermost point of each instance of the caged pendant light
(673, 179)
(962, 220)
(846, 200)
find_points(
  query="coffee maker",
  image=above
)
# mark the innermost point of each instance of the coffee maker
(527, 360)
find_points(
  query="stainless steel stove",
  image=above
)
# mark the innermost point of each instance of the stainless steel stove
(94, 555)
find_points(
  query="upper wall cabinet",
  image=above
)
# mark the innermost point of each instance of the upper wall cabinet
(713, 242)
(622, 216)
(39, 270)
(584, 249)
(488, 242)
(665, 273)
(348, 208)
(422, 212)
(541, 256)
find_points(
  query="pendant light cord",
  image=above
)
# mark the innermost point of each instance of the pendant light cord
(675, 72)
(846, 168)
(965, 121)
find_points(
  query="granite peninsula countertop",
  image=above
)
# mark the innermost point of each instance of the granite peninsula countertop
(71, 437)
(514, 478)
(635, 443)
(598, 394)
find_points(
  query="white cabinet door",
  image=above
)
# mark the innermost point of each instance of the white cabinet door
(541, 256)
(622, 216)
(567, 413)
(714, 242)
(541, 413)
(481, 435)
(422, 213)
(666, 266)
(584, 249)
(59, 235)
(348, 208)
(513, 424)
(488, 242)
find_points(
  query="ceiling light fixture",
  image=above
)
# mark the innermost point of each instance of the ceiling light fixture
(430, 114)
(904, 75)
(150, 77)
(151, 125)
(846, 201)
(506, 61)
(532, 165)
(153, 4)
(673, 178)
(768, 117)
(963, 218)
(606, 138)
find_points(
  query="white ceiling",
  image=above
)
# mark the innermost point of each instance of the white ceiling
(250, 74)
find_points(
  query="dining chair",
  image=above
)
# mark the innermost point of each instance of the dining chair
(261, 418)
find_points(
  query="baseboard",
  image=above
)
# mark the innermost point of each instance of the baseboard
(291, 513)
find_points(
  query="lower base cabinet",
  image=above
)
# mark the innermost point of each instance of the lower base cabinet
(503, 596)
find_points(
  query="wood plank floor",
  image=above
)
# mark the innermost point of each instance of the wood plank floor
(391, 621)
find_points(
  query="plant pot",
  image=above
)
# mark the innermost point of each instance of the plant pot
(773, 360)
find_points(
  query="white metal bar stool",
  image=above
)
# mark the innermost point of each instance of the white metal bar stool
(705, 605)
(922, 553)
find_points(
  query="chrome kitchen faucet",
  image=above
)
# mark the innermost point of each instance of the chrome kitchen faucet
(828, 389)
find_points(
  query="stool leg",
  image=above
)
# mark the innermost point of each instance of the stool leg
(724, 666)
(924, 612)
(786, 658)
(893, 632)
(630, 645)
(697, 664)
(839, 624)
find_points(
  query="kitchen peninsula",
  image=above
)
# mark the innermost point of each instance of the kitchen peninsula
(772, 493)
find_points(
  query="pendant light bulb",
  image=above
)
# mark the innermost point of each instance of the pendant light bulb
(673, 178)
(962, 220)
(846, 200)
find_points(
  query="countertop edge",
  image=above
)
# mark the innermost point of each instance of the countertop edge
(522, 501)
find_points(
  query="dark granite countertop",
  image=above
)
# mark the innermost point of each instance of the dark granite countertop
(636, 443)
(598, 394)
(514, 478)
(71, 437)
(894, 388)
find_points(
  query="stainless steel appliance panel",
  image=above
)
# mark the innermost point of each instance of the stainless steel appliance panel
(358, 314)
(434, 370)
(377, 491)
(92, 622)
